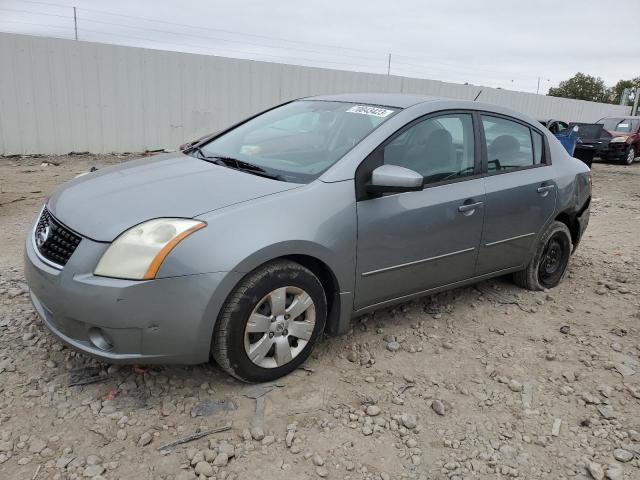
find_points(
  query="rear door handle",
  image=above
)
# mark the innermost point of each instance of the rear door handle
(469, 208)
(544, 189)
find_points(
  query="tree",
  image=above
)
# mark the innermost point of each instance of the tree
(616, 91)
(581, 87)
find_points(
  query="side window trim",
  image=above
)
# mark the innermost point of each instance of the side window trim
(376, 157)
(543, 156)
(546, 154)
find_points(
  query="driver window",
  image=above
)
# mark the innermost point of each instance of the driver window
(439, 148)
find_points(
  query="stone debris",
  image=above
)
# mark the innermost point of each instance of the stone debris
(393, 346)
(291, 433)
(373, 410)
(477, 383)
(614, 472)
(438, 407)
(623, 455)
(145, 439)
(624, 370)
(596, 471)
(606, 411)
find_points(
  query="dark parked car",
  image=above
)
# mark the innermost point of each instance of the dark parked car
(614, 139)
(592, 141)
(249, 245)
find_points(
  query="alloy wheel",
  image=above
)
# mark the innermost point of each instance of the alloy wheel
(631, 155)
(279, 327)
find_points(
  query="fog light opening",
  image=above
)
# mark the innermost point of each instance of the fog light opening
(100, 339)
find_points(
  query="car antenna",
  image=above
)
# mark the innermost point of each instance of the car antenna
(479, 93)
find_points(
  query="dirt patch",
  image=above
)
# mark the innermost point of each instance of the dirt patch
(485, 382)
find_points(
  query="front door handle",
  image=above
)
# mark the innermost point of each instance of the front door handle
(469, 208)
(544, 189)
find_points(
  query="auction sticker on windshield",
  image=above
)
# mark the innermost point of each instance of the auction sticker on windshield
(367, 110)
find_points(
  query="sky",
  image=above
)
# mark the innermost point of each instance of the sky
(512, 44)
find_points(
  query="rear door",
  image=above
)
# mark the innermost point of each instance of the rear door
(520, 192)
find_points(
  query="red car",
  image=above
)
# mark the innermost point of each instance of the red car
(624, 142)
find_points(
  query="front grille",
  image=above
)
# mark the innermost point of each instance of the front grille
(617, 148)
(54, 241)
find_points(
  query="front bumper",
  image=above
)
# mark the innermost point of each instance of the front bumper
(167, 320)
(616, 151)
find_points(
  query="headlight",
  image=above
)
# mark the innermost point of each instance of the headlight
(619, 139)
(138, 253)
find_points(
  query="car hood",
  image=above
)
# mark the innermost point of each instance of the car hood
(613, 133)
(103, 204)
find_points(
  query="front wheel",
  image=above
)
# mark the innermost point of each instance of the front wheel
(549, 263)
(631, 155)
(270, 322)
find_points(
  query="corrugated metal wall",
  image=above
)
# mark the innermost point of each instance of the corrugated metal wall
(58, 96)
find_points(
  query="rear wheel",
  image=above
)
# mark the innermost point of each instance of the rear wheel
(631, 155)
(270, 322)
(549, 263)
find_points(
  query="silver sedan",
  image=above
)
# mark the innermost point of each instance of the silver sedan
(252, 242)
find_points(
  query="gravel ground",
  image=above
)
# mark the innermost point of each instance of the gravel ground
(484, 382)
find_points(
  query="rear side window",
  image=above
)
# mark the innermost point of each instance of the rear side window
(509, 144)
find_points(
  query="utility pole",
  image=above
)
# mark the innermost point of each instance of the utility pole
(75, 22)
(634, 110)
(389, 65)
(624, 98)
(540, 79)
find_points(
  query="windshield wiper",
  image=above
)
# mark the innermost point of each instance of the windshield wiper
(197, 150)
(235, 163)
(238, 165)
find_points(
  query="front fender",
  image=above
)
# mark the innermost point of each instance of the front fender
(317, 220)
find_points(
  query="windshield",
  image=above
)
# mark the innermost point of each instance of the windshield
(589, 131)
(623, 125)
(298, 141)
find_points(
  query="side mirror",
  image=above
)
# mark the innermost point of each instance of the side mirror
(394, 179)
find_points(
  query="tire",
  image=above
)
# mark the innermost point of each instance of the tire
(267, 294)
(549, 263)
(631, 155)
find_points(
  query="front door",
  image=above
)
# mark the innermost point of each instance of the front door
(414, 241)
(521, 193)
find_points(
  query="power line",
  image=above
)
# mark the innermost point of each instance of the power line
(428, 65)
(457, 70)
(440, 62)
(202, 47)
(380, 56)
(2, 20)
(164, 32)
(233, 32)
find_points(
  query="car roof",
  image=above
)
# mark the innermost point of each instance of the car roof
(398, 100)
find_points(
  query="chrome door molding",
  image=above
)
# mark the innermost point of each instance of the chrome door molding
(417, 262)
(510, 239)
(440, 288)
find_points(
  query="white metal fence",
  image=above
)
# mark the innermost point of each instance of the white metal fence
(58, 95)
